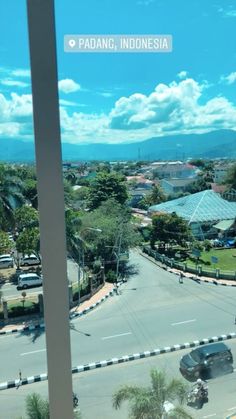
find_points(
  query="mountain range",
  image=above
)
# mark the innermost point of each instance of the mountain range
(214, 144)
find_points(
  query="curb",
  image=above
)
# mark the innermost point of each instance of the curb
(119, 360)
(192, 277)
(71, 316)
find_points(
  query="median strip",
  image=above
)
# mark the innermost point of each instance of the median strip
(120, 360)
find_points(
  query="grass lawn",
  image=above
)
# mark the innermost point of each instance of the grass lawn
(226, 259)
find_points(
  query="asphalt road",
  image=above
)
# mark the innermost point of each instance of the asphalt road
(95, 389)
(154, 310)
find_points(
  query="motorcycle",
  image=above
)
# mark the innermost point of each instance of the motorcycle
(75, 400)
(197, 397)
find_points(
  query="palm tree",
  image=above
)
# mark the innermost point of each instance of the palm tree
(10, 196)
(148, 402)
(38, 408)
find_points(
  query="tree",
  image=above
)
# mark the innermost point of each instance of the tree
(231, 177)
(10, 196)
(26, 216)
(155, 197)
(148, 402)
(117, 233)
(105, 186)
(38, 408)
(169, 228)
(30, 192)
(73, 222)
(28, 241)
(5, 242)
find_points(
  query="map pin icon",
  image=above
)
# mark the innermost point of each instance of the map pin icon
(71, 43)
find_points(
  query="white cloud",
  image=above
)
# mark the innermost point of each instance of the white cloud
(176, 108)
(229, 79)
(105, 94)
(182, 75)
(68, 86)
(64, 102)
(145, 2)
(21, 72)
(17, 83)
(227, 12)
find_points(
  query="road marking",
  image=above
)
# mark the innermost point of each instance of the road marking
(116, 336)
(186, 321)
(209, 416)
(232, 408)
(33, 352)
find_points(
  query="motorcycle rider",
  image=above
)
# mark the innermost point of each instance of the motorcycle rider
(202, 388)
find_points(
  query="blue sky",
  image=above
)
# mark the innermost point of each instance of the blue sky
(127, 97)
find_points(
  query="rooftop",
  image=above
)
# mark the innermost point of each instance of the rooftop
(199, 207)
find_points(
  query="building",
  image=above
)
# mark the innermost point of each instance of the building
(202, 211)
(175, 169)
(175, 186)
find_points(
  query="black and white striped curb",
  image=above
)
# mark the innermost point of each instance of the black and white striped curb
(120, 360)
(72, 315)
(192, 277)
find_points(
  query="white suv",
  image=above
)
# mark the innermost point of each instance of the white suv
(28, 260)
(29, 280)
(6, 262)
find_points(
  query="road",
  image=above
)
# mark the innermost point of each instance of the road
(10, 291)
(96, 387)
(154, 310)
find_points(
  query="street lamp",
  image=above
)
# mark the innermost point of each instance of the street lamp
(78, 237)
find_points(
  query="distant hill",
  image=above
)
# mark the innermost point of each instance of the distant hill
(215, 144)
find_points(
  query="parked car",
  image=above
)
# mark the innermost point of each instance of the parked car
(207, 360)
(28, 260)
(29, 280)
(6, 262)
(7, 255)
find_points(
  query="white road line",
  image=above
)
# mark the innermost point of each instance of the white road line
(116, 336)
(186, 321)
(33, 352)
(232, 408)
(209, 416)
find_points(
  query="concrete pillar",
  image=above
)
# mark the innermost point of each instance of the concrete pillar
(40, 301)
(5, 310)
(217, 273)
(184, 267)
(199, 268)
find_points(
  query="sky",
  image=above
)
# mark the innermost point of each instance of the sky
(122, 97)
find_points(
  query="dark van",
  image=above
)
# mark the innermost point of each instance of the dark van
(207, 360)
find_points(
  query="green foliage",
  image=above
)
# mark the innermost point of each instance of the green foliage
(155, 197)
(231, 177)
(114, 221)
(25, 216)
(148, 402)
(169, 228)
(30, 192)
(28, 241)
(207, 245)
(38, 408)
(200, 185)
(105, 186)
(10, 195)
(5, 243)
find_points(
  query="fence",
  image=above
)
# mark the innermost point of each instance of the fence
(198, 270)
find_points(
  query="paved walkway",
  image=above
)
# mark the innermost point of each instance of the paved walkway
(83, 306)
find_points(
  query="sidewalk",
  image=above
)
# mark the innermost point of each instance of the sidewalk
(36, 321)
